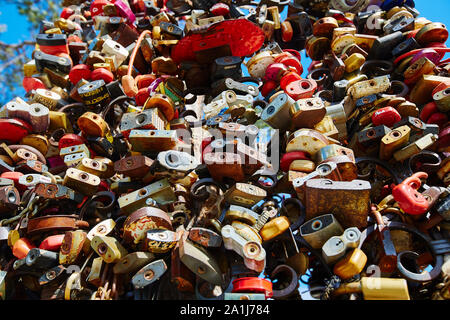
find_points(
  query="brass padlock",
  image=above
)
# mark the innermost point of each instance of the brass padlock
(81, 181)
(108, 248)
(244, 194)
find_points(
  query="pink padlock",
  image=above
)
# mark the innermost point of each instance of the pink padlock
(125, 11)
(275, 71)
(430, 54)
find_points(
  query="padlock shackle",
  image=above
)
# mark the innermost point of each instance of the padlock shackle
(413, 52)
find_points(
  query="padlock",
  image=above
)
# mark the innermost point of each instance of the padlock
(242, 214)
(409, 200)
(324, 195)
(58, 192)
(301, 89)
(324, 170)
(160, 241)
(101, 229)
(306, 113)
(92, 124)
(153, 140)
(72, 247)
(147, 119)
(134, 166)
(253, 253)
(160, 191)
(415, 147)
(253, 284)
(277, 112)
(133, 262)
(375, 288)
(149, 273)
(245, 195)
(318, 230)
(307, 140)
(274, 228)
(9, 199)
(224, 165)
(200, 262)
(176, 164)
(95, 167)
(108, 248)
(352, 264)
(393, 141)
(51, 43)
(35, 114)
(369, 87)
(336, 246)
(52, 243)
(138, 223)
(81, 181)
(205, 237)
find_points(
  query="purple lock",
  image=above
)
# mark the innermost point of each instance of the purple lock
(154, 85)
(125, 11)
(430, 54)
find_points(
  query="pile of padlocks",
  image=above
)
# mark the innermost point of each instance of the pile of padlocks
(143, 163)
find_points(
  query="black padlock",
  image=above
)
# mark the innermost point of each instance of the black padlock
(382, 47)
(43, 60)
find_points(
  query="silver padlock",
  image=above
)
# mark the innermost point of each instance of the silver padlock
(336, 246)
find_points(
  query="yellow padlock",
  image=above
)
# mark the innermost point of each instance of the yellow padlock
(352, 264)
(274, 228)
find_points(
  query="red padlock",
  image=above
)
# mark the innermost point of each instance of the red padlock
(30, 83)
(387, 116)
(70, 139)
(289, 60)
(295, 53)
(289, 157)
(145, 80)
(242, 36)
(13, 130)
(52, 243)
(407, 197)
(102, 74)
(288, 78)
(97, 7)
(142, 96)
(428, 110)
(78, 72)
(253, 285)
(438, 118)
(67, 12)
(14, 176)
(268, 87)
